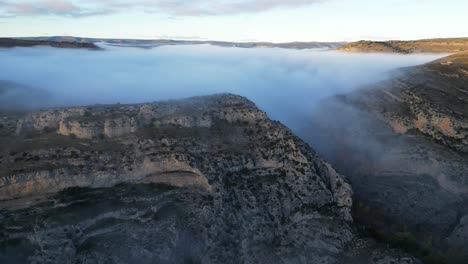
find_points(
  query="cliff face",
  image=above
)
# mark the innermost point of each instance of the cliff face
(129, 132)
(449, 45)
(430, 99)
(403, 143)
(204, 180)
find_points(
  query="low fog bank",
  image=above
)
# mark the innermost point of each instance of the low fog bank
(297, 87)
(14, 96)
(285, 83)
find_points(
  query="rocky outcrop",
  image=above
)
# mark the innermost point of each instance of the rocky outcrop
(202, 180)
(430, 99)
(87, 123)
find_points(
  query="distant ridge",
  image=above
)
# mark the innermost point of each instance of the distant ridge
(150, 43)
(442, 45)
(12, 42)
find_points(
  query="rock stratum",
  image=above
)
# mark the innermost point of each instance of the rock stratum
(430, 99)
(449, 45)
(202, 180)
(403, 143)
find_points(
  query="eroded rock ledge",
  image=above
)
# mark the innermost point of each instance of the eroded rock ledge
(431, 99)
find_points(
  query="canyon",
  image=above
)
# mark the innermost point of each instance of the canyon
(213, 178)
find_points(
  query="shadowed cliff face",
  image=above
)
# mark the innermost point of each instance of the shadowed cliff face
(403, 143)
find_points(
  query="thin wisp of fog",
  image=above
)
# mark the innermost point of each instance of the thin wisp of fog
(285, 83)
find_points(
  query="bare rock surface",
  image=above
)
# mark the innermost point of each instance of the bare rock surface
(202, 180)
(431, 99)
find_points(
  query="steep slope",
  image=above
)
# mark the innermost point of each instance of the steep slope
(431, 99)
(403, 143)
(449, 45)
(202, 180)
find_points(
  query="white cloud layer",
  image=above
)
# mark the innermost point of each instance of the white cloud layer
(79, 8)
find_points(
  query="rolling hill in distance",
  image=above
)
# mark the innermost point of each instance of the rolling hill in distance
(13, 42)
(443, 45)
(149, 43)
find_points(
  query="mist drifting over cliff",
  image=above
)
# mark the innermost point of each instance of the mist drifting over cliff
(287, 84)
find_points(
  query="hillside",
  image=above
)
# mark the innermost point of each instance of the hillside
(403, 143)
(13, 42)
(449, 45)
(431, 99)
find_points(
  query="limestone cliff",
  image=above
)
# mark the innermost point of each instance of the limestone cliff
(202, 180)
(431, 99)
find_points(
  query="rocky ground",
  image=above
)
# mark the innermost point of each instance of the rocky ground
(202, 180)
(403, 143)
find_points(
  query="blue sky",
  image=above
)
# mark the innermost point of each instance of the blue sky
(237, 20)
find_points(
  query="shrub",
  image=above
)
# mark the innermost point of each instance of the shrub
(48, 130)
(74, 154)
